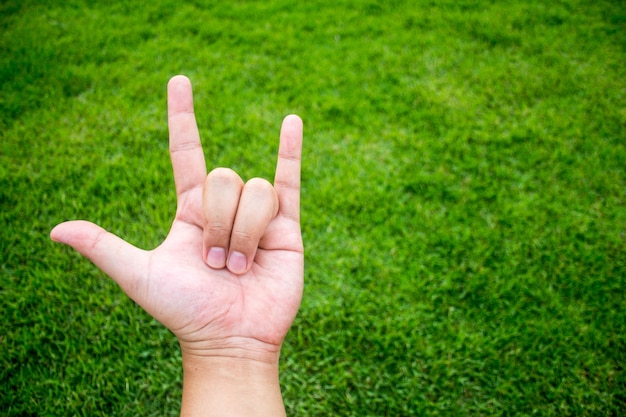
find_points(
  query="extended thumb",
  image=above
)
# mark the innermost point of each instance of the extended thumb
(115, 257)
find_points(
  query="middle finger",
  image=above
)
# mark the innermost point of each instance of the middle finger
(222, 190)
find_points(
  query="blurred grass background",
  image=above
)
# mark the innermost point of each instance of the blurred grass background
(463, 197)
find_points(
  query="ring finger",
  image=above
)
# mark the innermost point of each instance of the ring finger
(258, 205)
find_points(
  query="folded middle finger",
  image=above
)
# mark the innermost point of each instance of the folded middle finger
(222, 190)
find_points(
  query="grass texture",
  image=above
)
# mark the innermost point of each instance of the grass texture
(463, 203)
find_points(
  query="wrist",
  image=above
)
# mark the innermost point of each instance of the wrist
(238, 348)
(231, 382)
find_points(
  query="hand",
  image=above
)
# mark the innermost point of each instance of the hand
(227, 280)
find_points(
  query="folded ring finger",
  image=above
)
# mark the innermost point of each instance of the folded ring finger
(258, 205)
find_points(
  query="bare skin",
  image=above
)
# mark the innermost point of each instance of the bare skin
(227, 280)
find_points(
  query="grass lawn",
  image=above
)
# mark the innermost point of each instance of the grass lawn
(463, 204)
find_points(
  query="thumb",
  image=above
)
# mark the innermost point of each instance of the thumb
(120, 260)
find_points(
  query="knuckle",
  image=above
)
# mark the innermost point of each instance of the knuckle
(260, 184)
(217, 229)
(261, 189)
(242, 235)
(224, 176)
(263, 194)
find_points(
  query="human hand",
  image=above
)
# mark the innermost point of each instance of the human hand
(238, 299)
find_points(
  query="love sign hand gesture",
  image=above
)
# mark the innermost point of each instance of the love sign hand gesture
(228, 279)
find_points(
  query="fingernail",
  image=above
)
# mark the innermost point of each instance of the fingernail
(237, 263)
(216, 258)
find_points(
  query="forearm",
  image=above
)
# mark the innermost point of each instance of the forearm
(228, 386)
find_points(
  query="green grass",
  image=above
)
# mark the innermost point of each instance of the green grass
(463, 201)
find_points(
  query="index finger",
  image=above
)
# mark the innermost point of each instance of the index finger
(287, 178)
(185, 147)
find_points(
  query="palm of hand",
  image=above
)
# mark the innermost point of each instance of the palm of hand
(211, 311)
(208, 308)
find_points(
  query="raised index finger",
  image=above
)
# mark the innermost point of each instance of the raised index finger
(287, 178)
(185, 148)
